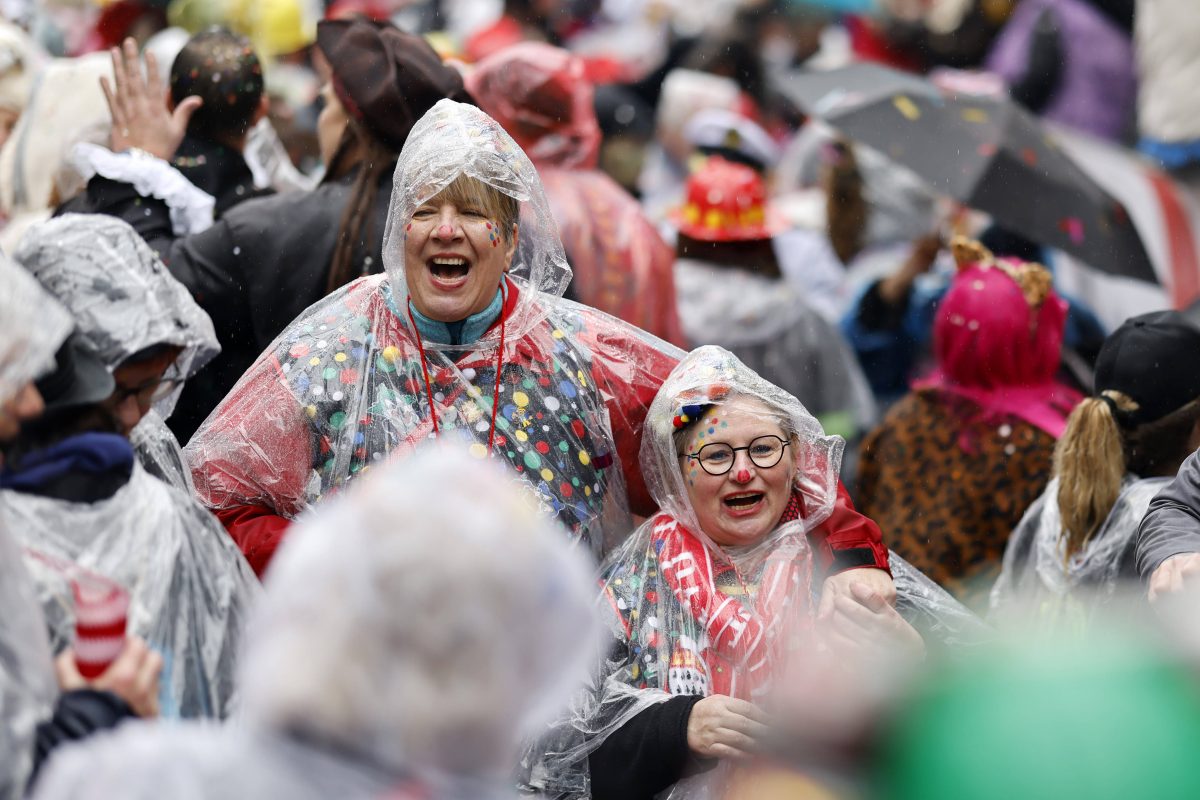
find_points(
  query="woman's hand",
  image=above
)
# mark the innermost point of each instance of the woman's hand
(841, 585)
(140, 117)
(725, 727)
(133, 677)
(866, 624)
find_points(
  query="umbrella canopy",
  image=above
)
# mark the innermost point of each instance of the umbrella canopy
(984, 152)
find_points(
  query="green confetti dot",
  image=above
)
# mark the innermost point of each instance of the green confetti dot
(532, 460)
(337, 419)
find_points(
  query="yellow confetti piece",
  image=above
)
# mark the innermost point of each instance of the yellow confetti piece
(522, 436)
(587, 491)
(340, 357)
(391, 354)
(906, 107)
(311, 411)
(975, 115)
(478, 450)
(558, 334)
(314, 361)
(584, 458)
(547, 475)
(521, 399)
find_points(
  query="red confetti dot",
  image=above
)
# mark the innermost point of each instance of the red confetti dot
(348, 376)
(543, 381)
(542, 448)
(566, 489)
(577, 426)
(652, 596)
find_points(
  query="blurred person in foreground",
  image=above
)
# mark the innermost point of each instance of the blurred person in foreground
(43, 702)
(619, 262)
(958, 460)
(411, 632)
(1108, 716)
(1120, 448)
(73, 486)
(711, 602)
(266, 261)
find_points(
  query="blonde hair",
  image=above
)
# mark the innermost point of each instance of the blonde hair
(1095, 453)
(1089, 460)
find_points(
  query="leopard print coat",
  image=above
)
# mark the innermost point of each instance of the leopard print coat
(947, 484)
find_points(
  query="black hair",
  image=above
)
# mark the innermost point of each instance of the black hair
(222, 69)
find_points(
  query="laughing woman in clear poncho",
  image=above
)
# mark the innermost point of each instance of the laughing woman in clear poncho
(468, 311)
(712, 601)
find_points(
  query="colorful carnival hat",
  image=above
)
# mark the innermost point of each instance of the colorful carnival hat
(727, 202)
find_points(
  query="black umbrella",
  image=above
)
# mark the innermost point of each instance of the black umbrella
(987, 153)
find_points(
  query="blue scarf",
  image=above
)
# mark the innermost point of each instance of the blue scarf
(86, 453)
(465, 331)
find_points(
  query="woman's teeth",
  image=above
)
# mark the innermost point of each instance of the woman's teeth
(743, 500)
(448, 268)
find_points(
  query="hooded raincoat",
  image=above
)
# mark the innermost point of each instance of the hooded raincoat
(188, 584)
(189, 587)
(1034, 574)
(556, 390)
(621, 265)
(32, 326)
(691, 618)
(382, 665)
(124, 301)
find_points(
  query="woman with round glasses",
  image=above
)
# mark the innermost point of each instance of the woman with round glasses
(714, 598)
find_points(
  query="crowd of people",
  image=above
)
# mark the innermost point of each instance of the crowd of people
(469, 399)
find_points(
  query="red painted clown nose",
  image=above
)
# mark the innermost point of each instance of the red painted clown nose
(743, 475)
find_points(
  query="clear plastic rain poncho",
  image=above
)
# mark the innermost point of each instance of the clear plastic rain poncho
(189, 586)
(28, 687)
(1035, 577)
(32, 326)
(124, 300)
(692, 617)
(347, 384)
(412, 630)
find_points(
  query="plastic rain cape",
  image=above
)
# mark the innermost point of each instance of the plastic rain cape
(122, 297)
(337, 700)
(344, 386)
(189, 586)
(124, 300)
(1034, 573)
(28, 687)
(32, 326)
(691, 617)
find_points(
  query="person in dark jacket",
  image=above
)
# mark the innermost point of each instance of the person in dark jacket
(223, 70)
(1168, 541)
(268, 259)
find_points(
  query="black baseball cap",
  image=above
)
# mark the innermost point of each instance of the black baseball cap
(1155, 360)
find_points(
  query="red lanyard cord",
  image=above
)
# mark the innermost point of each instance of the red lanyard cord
(429, 385)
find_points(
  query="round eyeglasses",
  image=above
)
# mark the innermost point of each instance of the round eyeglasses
(717, 458)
